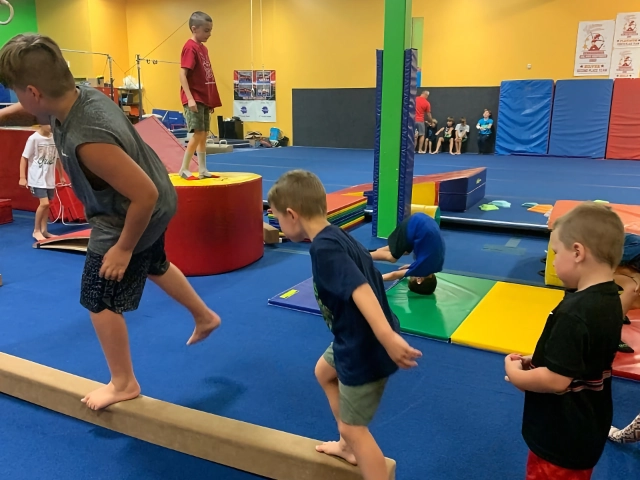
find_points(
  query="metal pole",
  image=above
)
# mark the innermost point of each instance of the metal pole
(111, 77)
(139, 88)
(84, 51)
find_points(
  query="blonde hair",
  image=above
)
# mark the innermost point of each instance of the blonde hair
(301, 191)
(35, 60)
(595, 226)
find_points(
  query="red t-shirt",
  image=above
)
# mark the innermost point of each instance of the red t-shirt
(202, 82)
(422, 106)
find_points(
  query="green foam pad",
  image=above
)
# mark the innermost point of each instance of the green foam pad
(438, 315)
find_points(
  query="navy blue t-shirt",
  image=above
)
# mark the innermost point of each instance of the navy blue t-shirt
(423, 232)
(340, 265)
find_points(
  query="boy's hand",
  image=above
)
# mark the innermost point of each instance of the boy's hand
(526, 362)
(193, 106)
(23, 182)
(404, 267)
(512, 362)
(115, 263)
(403, 354)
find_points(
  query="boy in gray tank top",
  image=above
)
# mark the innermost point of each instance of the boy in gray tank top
(126, 192)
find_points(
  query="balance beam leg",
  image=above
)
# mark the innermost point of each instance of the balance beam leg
(251, 448)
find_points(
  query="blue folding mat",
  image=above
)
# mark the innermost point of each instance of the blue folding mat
(580, 123)
(525, 117)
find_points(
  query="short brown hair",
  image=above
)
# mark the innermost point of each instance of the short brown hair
(595, 226)
(32, 59)
(301, 191)
(199, 18)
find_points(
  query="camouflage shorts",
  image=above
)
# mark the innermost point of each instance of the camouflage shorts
(198, 121)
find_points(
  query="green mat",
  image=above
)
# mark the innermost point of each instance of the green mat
(438, 315)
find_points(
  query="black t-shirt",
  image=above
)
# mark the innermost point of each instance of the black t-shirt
(579, 340)
(340, 265)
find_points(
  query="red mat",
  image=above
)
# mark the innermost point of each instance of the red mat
(12, 142)
(163, 142)
(627, 365)
(629, 214)
(337, 201)
(624, 120)
(75, 241)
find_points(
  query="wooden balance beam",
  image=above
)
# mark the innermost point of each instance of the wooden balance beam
(251, 448)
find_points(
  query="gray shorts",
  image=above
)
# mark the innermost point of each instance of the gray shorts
(358, 404)
(43, 192)
(420, 128)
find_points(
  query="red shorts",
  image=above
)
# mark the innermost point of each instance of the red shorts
(539, 469)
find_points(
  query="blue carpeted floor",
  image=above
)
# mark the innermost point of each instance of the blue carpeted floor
(454, 417)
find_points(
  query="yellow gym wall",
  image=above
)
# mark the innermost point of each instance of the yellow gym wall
(310, 44)
(88, 25)
(481, 43)
(323, 43)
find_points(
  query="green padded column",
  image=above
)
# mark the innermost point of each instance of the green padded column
(397, 38)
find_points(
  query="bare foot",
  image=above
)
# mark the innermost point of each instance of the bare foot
(204, 327)
(108, 395)
(39, 236)
(48, 235)
(338, 449)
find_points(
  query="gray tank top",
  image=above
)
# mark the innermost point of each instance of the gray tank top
(95, 118)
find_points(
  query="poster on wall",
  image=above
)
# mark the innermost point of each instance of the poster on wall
(627, 34)
(625, 63)
(594, 48)
(254, 95)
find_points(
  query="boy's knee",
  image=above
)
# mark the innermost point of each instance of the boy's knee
(324, 372)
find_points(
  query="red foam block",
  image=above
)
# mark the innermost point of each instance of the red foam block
(624, 120)
(164, 143)
(627, 365)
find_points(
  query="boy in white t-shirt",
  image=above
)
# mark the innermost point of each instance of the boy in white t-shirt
(462, 132)
(41, 157)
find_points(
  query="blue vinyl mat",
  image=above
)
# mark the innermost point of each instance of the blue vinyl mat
(580, 123)
(525, 116)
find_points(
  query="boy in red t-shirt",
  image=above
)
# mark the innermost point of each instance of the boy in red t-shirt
(199, 93)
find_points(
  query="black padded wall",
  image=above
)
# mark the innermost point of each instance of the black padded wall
(345, 117)
(335, 117)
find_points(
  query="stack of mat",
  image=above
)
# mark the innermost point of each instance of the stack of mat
(344, 211)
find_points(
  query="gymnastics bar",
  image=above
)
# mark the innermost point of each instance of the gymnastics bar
(240, 445)
(397, 39)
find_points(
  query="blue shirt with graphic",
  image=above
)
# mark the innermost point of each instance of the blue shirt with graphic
(485, 122)
(340, 265)
(423, 234)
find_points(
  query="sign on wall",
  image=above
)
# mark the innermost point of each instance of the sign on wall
(625, 63)
(594, 48)
(254, 95)
(627, 34)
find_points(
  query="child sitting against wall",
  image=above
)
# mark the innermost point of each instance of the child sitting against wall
(462, 133)
(432, 135)
(446, 136)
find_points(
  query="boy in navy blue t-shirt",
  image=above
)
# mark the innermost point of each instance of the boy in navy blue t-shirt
(421, 235)
(367, 347)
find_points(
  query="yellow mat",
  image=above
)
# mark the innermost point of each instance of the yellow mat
(509, 319)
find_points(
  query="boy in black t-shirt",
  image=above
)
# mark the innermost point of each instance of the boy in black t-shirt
(367, 347)
(567, 382)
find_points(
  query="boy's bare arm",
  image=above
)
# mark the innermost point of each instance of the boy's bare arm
(114, 166)
(540, 380)
(23, 171)
(395, 275)
(185, 86)
(16, 116)
(397, 348)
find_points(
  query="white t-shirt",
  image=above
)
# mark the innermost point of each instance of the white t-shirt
(462, 128)
(42, 154)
